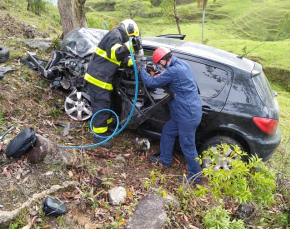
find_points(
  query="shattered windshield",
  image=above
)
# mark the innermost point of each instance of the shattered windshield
(82, 41)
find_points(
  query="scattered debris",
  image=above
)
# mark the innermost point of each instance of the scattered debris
(53, 207)
(4, 134)
(120, 158)
(24, 141)
(144, 143)
(66, 129)
(4, 70)
(39, 44)
(64, 125)
(4, 54)
(97, 181)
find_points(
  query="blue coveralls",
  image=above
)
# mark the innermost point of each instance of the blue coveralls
(185, 111)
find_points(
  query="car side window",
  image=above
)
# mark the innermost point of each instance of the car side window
(210, 80)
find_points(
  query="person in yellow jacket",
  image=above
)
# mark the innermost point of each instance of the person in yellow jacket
(112, 51)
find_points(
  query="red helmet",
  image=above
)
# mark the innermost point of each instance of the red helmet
(159, 54)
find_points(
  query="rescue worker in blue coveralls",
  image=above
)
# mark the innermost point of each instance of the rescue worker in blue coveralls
(185, 110)
(112, 51)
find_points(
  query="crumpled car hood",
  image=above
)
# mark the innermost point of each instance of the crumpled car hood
(82, 41)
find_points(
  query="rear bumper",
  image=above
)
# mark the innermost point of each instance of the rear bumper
(266, 147)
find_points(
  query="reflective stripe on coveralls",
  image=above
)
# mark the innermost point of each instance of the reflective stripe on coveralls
(98, 83)
(113, 53)
(103, 54)
(100, 130)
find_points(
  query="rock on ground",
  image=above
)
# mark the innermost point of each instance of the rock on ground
(49, 152)
(149, 214)
(117, 195)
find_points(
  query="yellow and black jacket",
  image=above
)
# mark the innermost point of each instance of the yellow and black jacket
(112, 51)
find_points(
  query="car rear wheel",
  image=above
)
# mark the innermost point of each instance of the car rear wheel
(215, 142)
(4, 54)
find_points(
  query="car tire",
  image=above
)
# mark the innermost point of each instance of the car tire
(214, 142)
(4, 54)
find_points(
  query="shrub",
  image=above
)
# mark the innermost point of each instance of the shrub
(243, 181)
(218, 218)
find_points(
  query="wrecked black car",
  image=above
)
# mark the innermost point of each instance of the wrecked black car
(239, 106)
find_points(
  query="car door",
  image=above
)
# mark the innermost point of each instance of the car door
(214, 82)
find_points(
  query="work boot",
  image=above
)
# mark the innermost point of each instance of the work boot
(155, 158)
(107, 144)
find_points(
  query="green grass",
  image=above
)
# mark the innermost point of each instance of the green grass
(49, 19)
(254, 19)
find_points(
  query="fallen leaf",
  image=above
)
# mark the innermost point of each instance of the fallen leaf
(70, 174)
(123, 175)
(48, 173)
(129, 193)
(5, 171)
(164, 193)
(29, 225)
(24, 180)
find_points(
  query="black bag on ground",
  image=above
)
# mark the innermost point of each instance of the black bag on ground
(53, 207)
(21, 143)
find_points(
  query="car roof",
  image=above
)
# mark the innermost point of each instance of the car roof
(199, 50)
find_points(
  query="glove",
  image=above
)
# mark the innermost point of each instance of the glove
(137, 44)
(140, 64)
(151, 68)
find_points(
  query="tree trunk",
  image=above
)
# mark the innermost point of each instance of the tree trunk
(177, 19)
(28, 5)
(203, 18)
(72, 13)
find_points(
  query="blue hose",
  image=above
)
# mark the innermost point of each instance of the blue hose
(107, 138)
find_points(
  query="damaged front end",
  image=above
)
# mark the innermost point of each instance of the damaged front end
(67, 67)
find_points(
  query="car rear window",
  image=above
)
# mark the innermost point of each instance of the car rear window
(210, 80)
(264, 89)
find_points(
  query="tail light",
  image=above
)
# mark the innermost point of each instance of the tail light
(267, 125)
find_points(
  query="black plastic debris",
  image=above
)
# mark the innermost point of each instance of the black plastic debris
(4, 70)
(19, 145)
(53, 207)
(97, 180)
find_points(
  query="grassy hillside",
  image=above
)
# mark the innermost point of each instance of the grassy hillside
(14, 17)
(232, 25)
